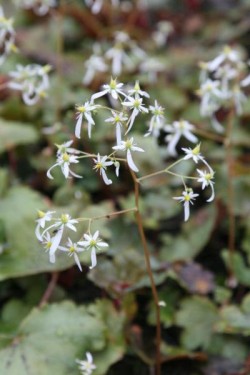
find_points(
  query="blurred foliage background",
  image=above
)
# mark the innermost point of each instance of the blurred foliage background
(108, 311)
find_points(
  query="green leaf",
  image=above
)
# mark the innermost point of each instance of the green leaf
(15, 133)
(23, 255)
(228, 347)
(195, 234)
(236, 319)
(50, 339)
(240, 269)
(197, 316)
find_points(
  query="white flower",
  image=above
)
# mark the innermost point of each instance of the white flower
(40, 7)
(164, 29)
(137, 106)
(129, 146)
(92, 243)
(113, 88)
(246, 81)
(137, 92)
(118, 57)
(48, 242)
(7, 36)
(58, 228)
(84, 111)
(94, 64)
(178, 129)
(32, 80)
(211, 97)
(72, 249)
(157, 120)
(96, 5)
(123, 53)
(65, 147)
(225, 74)
(63, 161)
(193, 153)
(151, 66)
(117, 120)
(187, 197)
(86, 367)
(101, 164)
(206, 180)
(227, 55)
(43, 217)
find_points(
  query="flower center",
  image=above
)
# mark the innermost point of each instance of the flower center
(128, 144)
(41, 214)
(81, 108)
(65, 157)
(72, 249)
(64, 218)
(48, 245)
(92, 243)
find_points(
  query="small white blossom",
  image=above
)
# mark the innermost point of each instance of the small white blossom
(113, 88)
(227, 55)
(95, 63)
(119, 57)
(157, 120)
(246, 81)
(151, 66)
(72, 249)
(32, 80)
(177, 130)
(86, 367)
(164, 29)
(206, 179)
(129, 146)
(193, 153)
(96, 5)
(58, 227)
(40, 7)
(211, 97)
(85, 111)
(123, 53)
(65, 147)
(48, 243)
(43, 217)
(117, 119)
(101, 165)
(63, 161)
(7, 36)
(187, 197)
(92, 243)
(137, 92)
(137, 106)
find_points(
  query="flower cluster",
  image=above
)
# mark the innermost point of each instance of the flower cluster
(51, 236)
(205, 177)
(32, 80)
(222, 84)
(124, 54)
(40, 7)
(7, 36)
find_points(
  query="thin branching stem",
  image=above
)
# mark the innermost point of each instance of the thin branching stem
(150, 274)
(50, 289)
(230, 189)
